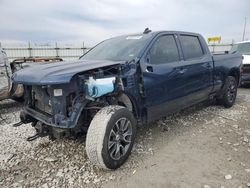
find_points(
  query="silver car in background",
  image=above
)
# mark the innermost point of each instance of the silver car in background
(7, 68)
(5, 75)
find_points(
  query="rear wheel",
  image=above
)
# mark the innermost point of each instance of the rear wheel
(110, 137)
(229, 92)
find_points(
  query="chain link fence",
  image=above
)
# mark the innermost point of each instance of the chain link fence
(64, 51)
(219, 48)
(68, 52)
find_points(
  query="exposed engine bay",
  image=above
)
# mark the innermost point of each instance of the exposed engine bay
(65, 110)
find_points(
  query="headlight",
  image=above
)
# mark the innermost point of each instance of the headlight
(58, 92)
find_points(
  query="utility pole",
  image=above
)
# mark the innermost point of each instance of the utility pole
(244, 30)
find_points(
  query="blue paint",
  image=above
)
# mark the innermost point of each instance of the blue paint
(155, 90)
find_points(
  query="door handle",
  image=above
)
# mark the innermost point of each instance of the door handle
(149, 69)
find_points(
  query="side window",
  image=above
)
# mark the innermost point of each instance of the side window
(164, 50)
(191, 47)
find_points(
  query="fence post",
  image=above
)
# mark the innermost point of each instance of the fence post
(57, 54)
(29, 49)
(213, 47)
(0, 45)
(83, 50)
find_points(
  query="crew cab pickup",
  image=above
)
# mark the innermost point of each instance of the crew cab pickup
(122, 83)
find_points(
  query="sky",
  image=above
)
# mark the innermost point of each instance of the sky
(92, 21)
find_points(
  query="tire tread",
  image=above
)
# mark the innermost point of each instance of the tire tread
(96, 133)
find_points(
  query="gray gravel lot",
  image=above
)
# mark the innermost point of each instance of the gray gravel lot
(203, 146)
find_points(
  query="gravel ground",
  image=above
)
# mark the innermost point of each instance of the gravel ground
(203, 146)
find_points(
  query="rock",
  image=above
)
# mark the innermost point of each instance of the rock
(247, 170)
(235, 126)
(6, 158)
(16, 185)
(242, 164)
(59, 173)
(45, 185)
(96, 180)
(87, 181)
(206, 186)
(248, 132)
(165, 129)
(248, 184)
(229, 159)
(245, 139)
(236, 144)
(71, 180)
(65, 170)
(112, 177)
(228, 177)
(51, 159)
(235, 149)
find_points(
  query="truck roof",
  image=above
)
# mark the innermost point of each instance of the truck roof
(154, 33)
(158, 32)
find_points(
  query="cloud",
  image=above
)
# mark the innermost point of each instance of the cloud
(96, 20)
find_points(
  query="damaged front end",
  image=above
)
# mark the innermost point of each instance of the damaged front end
(65, 110)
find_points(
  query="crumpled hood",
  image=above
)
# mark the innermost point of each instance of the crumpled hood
(57, 73)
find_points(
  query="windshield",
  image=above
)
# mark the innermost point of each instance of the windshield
(243, 48)
(124, 48)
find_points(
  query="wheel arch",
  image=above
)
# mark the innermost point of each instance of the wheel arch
(128, 100)
(235, 73)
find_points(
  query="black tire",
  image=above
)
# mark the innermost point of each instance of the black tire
(104, 147)
(19, 99)
(229, 92)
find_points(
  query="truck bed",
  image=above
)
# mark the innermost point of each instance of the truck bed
(223, 64)
(224, 56)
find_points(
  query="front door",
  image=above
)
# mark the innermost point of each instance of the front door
(162, 76)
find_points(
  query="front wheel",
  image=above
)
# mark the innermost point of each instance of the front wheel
(229, 92)
(110, 137)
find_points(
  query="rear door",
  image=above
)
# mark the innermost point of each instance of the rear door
(197, 68)
(162, 76)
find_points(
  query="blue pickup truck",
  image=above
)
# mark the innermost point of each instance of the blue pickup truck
(122, 83)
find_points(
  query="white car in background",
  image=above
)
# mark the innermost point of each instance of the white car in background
(244, 49)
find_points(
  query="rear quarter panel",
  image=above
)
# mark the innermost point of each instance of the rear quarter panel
(224, 65)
